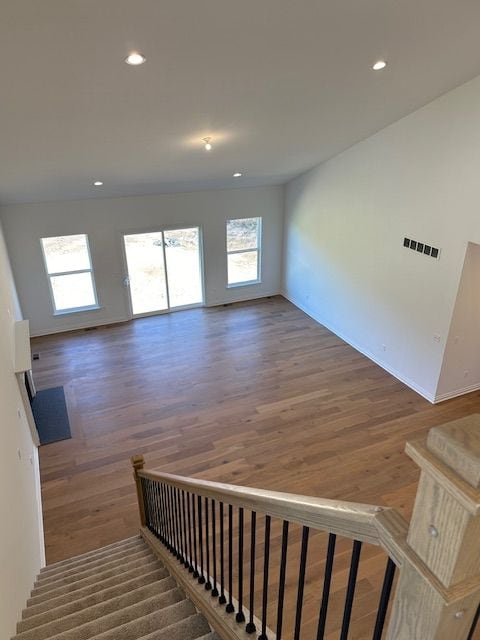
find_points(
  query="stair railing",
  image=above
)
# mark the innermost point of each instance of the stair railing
(218, 541)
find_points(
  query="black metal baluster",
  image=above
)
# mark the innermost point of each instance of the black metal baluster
(301, 583)
(180, 527)
(162, 513)
(214, 550)
(281, 579)
(157, 509)
(144, 497)
(208, 584)
(240, 617)
(327, 581)
(169, 522)
(166, 493)
(185, 538)
(266, 563)
(384, 599)
(175, 522)
(146, 502)
(474, 624)
(250, 627)
(195, 573)
(201, 578)
(222, 599)
(190, 566)
(165, 518)
(230, 608)
(352, 583)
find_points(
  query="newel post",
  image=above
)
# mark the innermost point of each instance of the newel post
(138, 463)
(438, 590)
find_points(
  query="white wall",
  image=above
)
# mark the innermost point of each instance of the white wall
(104, 219)
(345, 221)
(461, 364)
(21, 535)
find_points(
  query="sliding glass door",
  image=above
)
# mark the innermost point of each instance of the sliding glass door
(164, 270)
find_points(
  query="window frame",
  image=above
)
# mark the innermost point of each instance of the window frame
(258, 250)
(62, 312)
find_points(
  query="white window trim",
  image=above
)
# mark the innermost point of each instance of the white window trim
(257, 249)
(62, 312)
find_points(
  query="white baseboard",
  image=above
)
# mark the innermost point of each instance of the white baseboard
(396, 374)
(441, 397)
(77, 327)
(107, 321)
(245, 298)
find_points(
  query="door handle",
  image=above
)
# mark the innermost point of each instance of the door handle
(126, 281)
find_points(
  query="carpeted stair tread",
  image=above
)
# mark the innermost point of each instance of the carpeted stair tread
(156, 577)
(95, 552)
(191, 628)
(91, 580)
(120, 592)
(93, 561)
(34, 608)
(118, 618)
(131, 629)
(54, 582)
(60, 622)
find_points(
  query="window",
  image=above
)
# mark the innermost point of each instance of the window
(70, 274)
(243, 251)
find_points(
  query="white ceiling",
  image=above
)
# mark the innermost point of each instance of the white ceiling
(280, 85)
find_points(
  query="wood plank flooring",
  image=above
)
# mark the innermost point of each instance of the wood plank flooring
(254, 393)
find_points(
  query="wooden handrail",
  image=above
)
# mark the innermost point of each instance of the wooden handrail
(437, 594)
(349, 519)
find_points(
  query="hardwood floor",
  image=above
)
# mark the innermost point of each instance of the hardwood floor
(254, 393)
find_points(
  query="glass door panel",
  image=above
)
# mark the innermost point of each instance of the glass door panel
(146, 272)
(182, 252)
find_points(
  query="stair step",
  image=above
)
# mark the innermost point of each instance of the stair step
(109, 583)
(141, 564)
(55, 582)
(58, 622)
(133, 629)
(154, 580)
(94, 556)
(94, 552)
(195, 626)
(93, 561)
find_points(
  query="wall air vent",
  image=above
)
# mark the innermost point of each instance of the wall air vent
(421, 247)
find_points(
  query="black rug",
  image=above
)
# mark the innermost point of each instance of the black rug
(51, 416)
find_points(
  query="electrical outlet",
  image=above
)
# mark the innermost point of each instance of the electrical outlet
(466, 373)
(436, 337)
(384, 347)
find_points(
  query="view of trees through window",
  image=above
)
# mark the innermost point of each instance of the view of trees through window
(69, 268)
(243, 246)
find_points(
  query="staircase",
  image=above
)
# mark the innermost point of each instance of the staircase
(119, 592)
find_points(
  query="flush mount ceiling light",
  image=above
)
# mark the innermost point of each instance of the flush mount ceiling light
(208, 144)
(237, 174)
(135, 58)
(379, 65)
(98, 183)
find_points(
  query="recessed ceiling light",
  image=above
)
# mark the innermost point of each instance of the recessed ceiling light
(237, 174)
(379, 65)
(135, 58)
(208, 144)
(98, 183)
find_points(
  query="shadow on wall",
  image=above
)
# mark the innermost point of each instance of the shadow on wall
(460, 371)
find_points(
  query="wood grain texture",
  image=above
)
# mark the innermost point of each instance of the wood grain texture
(350, 519)
(256, 394)
(457, 444)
